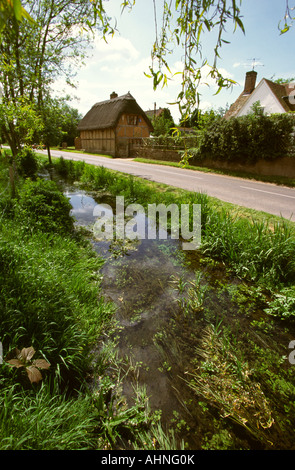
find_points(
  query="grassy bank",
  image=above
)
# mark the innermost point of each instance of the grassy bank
(52, 314)
(50, 301)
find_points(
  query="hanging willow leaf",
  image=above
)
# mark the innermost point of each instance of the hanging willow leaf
(13, 9)
(194, 19)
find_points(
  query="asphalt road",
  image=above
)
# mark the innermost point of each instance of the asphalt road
(270, 198)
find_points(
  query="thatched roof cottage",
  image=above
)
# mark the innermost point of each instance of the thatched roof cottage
(114, 127)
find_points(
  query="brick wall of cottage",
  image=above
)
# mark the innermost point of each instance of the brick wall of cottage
(120, 142)
(130, 130)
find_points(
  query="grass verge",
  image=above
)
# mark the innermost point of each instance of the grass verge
(279, 180)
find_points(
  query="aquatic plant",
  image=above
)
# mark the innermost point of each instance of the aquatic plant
(252, 247)
(283, 304)
(225, 380)
(191, 293)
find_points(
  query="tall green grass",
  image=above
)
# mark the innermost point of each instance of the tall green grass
(50, 298)
(41, 420)
(254, 249)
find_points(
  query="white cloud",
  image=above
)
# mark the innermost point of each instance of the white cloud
(117, 49)
(119, 66)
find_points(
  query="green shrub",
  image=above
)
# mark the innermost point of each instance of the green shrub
(68, 169)
(44, 207)
(247, 139)
(283, 304)
(27, 163)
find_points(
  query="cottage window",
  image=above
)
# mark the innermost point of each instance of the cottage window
(132, 120)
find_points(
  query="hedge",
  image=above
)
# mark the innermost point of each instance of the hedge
(247, 139)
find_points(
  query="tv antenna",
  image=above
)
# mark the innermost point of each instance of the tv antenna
(255, 63)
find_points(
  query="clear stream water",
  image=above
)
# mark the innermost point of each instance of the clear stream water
(145, 280)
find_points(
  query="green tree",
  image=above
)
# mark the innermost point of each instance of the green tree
(256, 109)
(19, 121)
(281, 81)
(163, 124)
(70, 120)
(51, 115)
(33, 54)
(202, 119)
(59, 121)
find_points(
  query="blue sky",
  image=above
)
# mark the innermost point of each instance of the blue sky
(120, 65)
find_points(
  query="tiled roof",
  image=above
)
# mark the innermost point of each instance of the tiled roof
(236, 106)
(151, 113)
(281, 92)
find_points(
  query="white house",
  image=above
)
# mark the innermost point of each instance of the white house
(273, 97)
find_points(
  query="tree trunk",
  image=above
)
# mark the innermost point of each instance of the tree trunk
(49, 154)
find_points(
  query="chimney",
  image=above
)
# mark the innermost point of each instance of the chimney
(250, 82)
(113, 95)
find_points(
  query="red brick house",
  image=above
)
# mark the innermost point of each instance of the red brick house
(114, 127)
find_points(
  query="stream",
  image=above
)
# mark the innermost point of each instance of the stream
(165, 298)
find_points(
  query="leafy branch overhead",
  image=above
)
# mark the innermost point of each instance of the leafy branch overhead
(185, 25)
(44, 39)
(24, 359)
(194, 20)
(12, 9)
(288, 18)
(53, 43)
